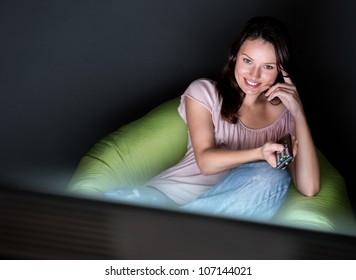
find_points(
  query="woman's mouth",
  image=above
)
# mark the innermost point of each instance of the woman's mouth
(251, 84)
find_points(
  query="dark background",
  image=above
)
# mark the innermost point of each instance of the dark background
(72, 71)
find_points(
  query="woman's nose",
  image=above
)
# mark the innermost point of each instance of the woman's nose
(255, 73)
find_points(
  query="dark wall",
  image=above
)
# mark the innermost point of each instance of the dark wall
(73, 71)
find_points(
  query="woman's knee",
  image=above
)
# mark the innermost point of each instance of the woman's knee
(255, 171)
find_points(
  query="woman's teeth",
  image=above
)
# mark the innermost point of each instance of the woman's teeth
(251, 83)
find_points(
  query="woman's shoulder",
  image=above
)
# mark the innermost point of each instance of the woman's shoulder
(204, 92)
(202, 88)
(204, 83)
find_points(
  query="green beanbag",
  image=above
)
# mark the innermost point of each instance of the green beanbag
(136, 152)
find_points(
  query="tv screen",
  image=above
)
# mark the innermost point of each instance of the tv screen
(38, 225)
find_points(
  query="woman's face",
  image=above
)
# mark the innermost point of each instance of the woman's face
(256, 66)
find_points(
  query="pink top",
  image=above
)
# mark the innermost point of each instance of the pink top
(184, 182)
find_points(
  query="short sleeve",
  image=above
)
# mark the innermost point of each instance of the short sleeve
(202, 91)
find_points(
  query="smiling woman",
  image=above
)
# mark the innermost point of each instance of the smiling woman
(234, 128)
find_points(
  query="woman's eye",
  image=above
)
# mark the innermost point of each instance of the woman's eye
(269, 67)
(246, 60)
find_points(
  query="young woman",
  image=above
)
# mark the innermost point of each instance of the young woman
(234, 124)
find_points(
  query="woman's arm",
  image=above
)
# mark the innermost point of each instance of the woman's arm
(305, 167)
(209, 158)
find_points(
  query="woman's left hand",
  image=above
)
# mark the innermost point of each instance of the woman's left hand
(288, 94)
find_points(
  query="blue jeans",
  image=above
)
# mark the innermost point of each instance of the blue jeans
(254, 190)
(142, 195)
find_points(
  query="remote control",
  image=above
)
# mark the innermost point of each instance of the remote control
(284, 157)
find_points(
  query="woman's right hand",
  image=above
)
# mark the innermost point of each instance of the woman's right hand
(269, 150)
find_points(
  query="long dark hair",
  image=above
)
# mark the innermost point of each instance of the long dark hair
(267, 28)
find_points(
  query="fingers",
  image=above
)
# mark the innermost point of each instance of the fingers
(270, 148)
(282, 90)
(270, 153)
(286, 78)
(278, 91)
(277, 147)
(280, 86)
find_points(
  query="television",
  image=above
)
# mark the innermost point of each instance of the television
(38, 225)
